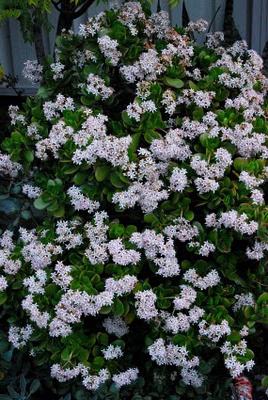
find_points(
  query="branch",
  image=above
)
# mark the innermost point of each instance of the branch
(214, 17)
(56, 5)
(83, 8)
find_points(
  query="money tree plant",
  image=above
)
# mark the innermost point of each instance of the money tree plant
(142, 255)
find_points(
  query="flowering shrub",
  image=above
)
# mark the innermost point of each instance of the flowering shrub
(145, 154)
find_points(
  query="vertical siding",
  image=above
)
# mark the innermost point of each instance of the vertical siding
(243, 18)
(20, 52)
(259, 24)
(5, 47)
(251, 18)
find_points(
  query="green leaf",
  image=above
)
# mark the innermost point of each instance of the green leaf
(35, 385)
(98, 362)
(263, 298)
(59, 213)
(224, 241)
(81, 395)
(83, 354)
(80, 178)
(175, 83)
(130, 229)
(9, 206)
(44, 93)
(103, 338)
(193, 85)
(173, 3)
(3, 298)
(264, 381)
(105, 310)
(66, 354)
(151, 135)
(234, 337)
(179, 339)
(40, 204)
(116, 181)
(189, 215)
(29, 155)
(26, 215)
(101, 172)
(116, 230)
(118, 307)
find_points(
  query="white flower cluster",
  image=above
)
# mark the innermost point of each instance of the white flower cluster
(126, 377)
(257, 251)
(170, 354)
(147, 188)
(243, 300)
(57, 68)
(147, 67)
(3, 283)
(209, 280)
(62, 275)
(181, 230)
(66, 235)
(247, 142)
(57, 137)
(135, 110)
(15, 116)
(120, 255)
(40, 318)
(110, 148)
(36, 282)
(186, 299)
(10, 266)
(231, 358)
(75, 304)
(32, 71)
(115, 326)
(9, 167)
(108, 47)
(208, 174)
(130, 14)
(51, 109)
(39, 255)
(200, 98)
(145, 304)
(121, 286)
(169, 101)
(178, 179)
(19, 336)
(111, 352)
(92, 26)
(32, 131)
(198, 26)
(171, 147)
(89, 381)
(81, 202)
(96, 86)
(252, 183)
(232, 220)
(180, 321)
(161, 252)
(158, 24)
(31, 191)
(214, 332)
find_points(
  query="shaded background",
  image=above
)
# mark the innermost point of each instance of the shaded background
(246, 19)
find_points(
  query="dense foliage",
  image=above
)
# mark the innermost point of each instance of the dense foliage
(139, 267)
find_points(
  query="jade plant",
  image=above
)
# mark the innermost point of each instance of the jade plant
(141, 256)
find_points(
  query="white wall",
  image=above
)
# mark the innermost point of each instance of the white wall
(251, 18)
